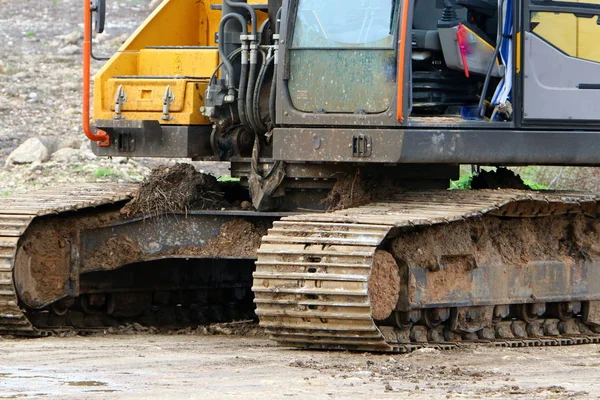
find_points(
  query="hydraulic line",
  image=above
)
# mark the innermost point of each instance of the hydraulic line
(250, 92)
(229, 72)
(273, 94)
(256, 101)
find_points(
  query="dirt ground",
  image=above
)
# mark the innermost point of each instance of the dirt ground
(234, 367)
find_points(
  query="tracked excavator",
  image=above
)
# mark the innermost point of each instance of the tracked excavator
(299, 96)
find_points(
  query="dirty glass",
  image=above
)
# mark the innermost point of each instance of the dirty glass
(343, 57)
(349, 23)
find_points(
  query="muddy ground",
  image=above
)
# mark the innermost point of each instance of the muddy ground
(233, 367)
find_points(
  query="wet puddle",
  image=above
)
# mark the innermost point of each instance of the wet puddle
(86, 383)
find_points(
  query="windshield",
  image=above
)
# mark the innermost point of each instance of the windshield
(345, 24)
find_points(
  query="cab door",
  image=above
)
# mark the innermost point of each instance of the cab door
(561, 61)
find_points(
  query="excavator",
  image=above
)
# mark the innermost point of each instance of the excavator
(306, 98)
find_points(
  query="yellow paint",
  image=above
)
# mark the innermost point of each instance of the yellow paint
(145, 100)
(518, 51)
(172, 23)
(178, 62)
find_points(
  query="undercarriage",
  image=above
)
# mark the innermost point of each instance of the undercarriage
(419, 269)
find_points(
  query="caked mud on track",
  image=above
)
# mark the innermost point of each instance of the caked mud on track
(80, 262)
(432, 268)
(507, 267)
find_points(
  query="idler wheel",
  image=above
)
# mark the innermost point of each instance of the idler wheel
(384, 285)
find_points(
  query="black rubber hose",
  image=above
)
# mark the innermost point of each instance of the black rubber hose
(241, 100)
(249, 94)
(246, 7)
(231, 57)
(256, 101)
(229, 72)
(273, 96)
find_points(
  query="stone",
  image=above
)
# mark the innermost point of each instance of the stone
(120, 160)
(30, 151)
(75, 86)
(153, 4)
(73, 143)
(69, 50)
(66, 155)
(85, 151)
(118, 41)
(72, 38)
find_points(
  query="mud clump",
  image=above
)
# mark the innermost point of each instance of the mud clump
(113, 253)
(357, 190)
(384, 285)
(502, 178)
(176, 189)
(237, 238)
(496, 241)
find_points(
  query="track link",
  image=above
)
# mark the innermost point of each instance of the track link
(311, 281)
(16, 214)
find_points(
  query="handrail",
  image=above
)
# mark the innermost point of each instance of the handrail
(99, 136)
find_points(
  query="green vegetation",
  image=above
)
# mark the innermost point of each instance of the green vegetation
(30, 34)
(228, 179)
(5, 193)
(464, 183)
(105, 173)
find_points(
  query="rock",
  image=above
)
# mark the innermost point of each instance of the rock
(85, 151)
(66, 155)
(72, 143)
(68, 50)
(119, 40)
(72, 111)
(153, 4)
(75, 86)
(71, 38)
(119, 160)
(32, 150)
(139, 328)
(20, 75)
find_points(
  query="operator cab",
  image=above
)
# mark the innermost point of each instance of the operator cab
(347, 60)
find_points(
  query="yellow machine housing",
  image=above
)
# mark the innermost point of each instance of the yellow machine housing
(174, 48)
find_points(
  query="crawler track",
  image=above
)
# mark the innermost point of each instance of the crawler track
(16, 213)
(311, 282)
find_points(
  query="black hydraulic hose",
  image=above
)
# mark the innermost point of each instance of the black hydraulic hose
(256, 101)
(273, 94)
(246, 7)
(241, 100)
(226, 62)
(231, 57)
(488, 75)
(249, 96)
